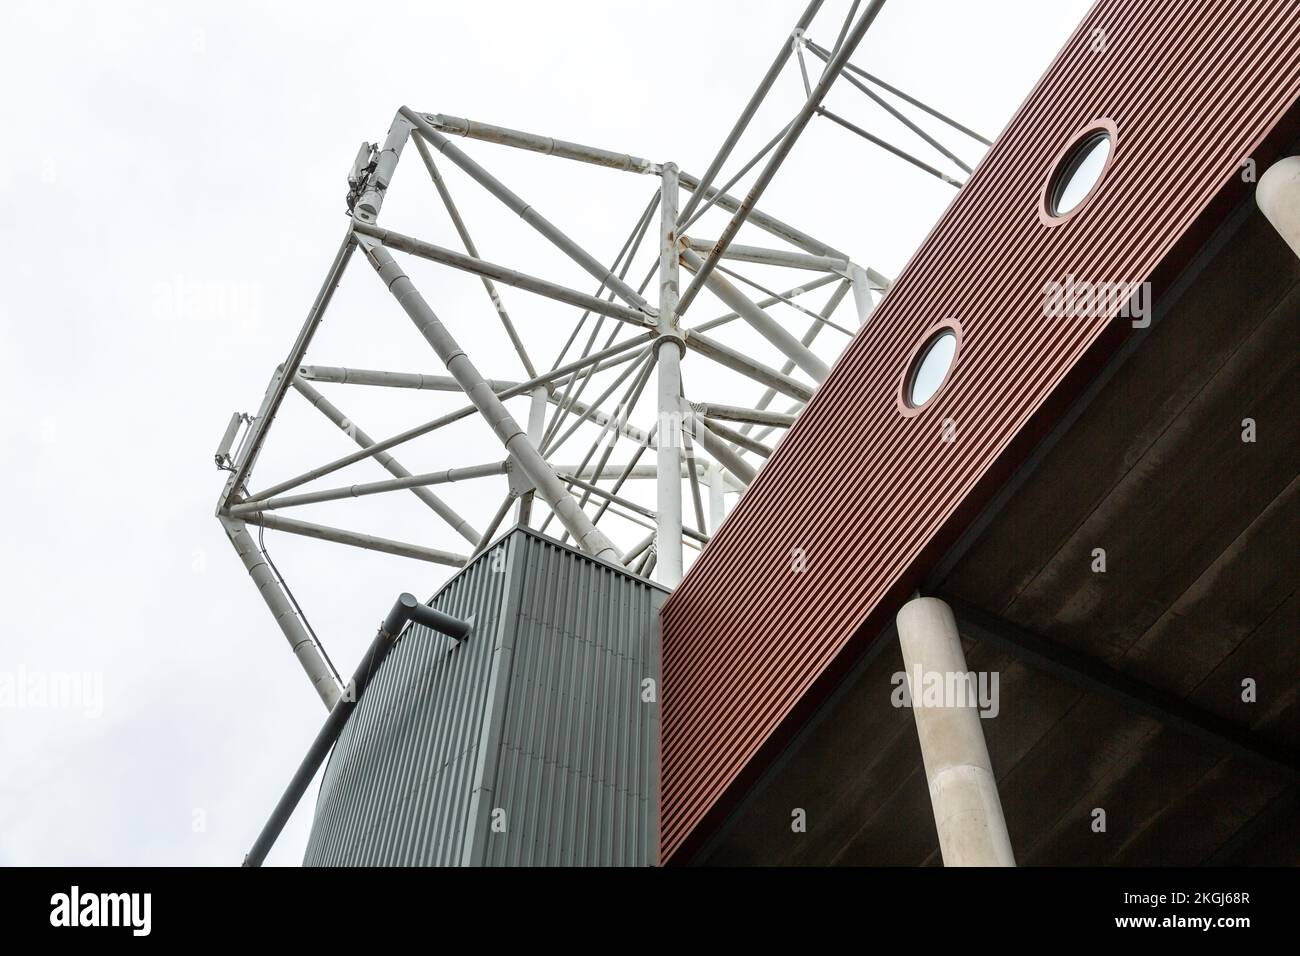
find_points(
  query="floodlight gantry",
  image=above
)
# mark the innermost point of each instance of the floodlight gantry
(706, 443)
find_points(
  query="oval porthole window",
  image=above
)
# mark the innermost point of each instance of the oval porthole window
(1078, 173)
(931, 368)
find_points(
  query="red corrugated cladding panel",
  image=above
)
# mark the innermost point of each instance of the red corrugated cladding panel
(870, 496)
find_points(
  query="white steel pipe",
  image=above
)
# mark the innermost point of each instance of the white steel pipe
(738, 362)
(286, 617)
(692, 472)
(737, 438)
(357, 539)
(525, 211)
(638, 472)
(481, 267)
(785, 296)
(387, 461)
(861, 293)
(536, 426)
(443, 420)
(908, 99)
(588, 537)
(533, 142)
(782, 150)
(623, 427)
(774, 257)
(493, 525)
(631, 506)
(889, 147)
(641, 547)
(539, 397)
(445, 383)
(761, 322)
(630, 398)
(721, 451)
(769, 224)
(445, 476)
(643, 364)
(751, 107)
(415, 380)
(884, 104)
(717, 498)
(468, 242)
(280, 380)
(668, 514)
(808, 337)
(752, 416)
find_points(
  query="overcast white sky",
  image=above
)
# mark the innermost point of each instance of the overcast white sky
(171, 192)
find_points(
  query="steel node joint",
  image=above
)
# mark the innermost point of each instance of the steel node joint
(675, 337)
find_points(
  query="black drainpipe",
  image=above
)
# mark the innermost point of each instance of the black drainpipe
(406, 609)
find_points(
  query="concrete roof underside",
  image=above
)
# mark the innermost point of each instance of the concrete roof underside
(1122, 690)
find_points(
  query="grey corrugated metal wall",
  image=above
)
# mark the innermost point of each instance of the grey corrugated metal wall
(528, 744)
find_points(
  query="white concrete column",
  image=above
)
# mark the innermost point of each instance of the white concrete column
(963, 792)
(1278, 195)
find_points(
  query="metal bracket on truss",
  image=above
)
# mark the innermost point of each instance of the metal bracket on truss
(225, 455)
(363, 168)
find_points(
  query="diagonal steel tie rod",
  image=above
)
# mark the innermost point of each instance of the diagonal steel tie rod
(779, 155)
(524, 210)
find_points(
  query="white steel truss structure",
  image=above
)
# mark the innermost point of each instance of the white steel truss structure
(598, 387)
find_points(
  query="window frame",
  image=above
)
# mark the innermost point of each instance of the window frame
(917, 356)
(1068, 154)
